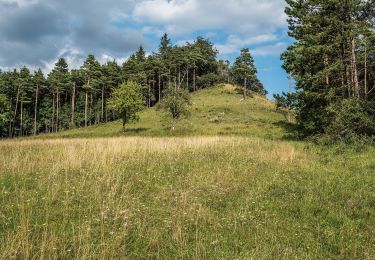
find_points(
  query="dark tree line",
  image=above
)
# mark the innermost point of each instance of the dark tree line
(333, 64)
(33, 103)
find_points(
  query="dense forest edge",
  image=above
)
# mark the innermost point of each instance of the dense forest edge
(31, 104)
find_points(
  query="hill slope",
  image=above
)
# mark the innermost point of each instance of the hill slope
(228, 187)
(215, 111)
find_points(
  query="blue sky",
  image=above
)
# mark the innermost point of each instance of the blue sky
(37, 32)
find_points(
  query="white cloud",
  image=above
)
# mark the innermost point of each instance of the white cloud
(184, 16)
(270, 50)
(234, 43)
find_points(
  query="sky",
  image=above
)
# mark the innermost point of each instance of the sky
(36, 33)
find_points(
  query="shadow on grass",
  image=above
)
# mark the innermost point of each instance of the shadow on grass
(291, 129)
(135, 130)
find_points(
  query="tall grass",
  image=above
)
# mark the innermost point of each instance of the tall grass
(188, 197)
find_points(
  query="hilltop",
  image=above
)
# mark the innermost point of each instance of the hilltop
(219, 110)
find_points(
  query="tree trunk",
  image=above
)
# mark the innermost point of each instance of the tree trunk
(15, 111)
(86, 103)
(21, 119)
(159, 89)
(366, 86)
(327, 74)
(73, 103)
(102, 119)
(187, 78)
(354, 69)
(53, 112)
(90, 108)
(36, 108)
(244, 88)
(57, 109)
(194, 80)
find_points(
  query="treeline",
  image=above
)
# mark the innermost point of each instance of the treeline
(32, 103)
(333, 64)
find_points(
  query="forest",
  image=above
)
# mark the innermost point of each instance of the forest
(332, 62)
(33, 103)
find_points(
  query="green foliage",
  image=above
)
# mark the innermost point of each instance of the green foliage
(350, 117)
(127, 101)
(4, 114)
(78, 97)
(286, 100)
(332, 63)
(176, 102)
(210, 79)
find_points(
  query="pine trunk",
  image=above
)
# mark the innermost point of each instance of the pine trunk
(21, 119)
(244, 88)
(15, 111)
(86, 103)
(102, 119)
(53, 112)
(73, 103)
(194, 79)
(57, 109)
(366, 85)
(36, 109)
(354, 70)
(159, 89)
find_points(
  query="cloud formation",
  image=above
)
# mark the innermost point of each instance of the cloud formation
(37, 32)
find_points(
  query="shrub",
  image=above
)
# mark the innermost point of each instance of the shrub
(176, 102)
(352, 117)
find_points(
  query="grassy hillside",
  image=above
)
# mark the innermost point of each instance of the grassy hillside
(227, 186)
(215, 111)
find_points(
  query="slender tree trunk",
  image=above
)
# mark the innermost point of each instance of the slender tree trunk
(187, 78)
(366, 86)
(73, 103)
(244, 88)
(90, 108)
(354, 69)
(21, 119)
(36, 108)
(15, 111)
(53, 112)
(327, 74)
(57, 110)
(86, 103)
(102, 119)
(194, 78)
(106, 114)
(159, 89)
(149, 96)
(349, 85)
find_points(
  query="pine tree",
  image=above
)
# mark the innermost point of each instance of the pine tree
(38, 82)
(91, 70)
(244, 71)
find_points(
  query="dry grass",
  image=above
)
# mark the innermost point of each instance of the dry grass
(84, 197)
(238, 192)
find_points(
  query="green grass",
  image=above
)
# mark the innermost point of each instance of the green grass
(229, 186)
(215, 111)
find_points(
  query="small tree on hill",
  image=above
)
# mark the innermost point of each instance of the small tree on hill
(244, 72)
(176, 102)
(127, 101)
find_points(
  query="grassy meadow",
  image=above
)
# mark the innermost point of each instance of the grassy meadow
(229, 182)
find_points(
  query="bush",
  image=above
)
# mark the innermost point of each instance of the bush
(209, 80)
(176, 102)
(351, 117)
